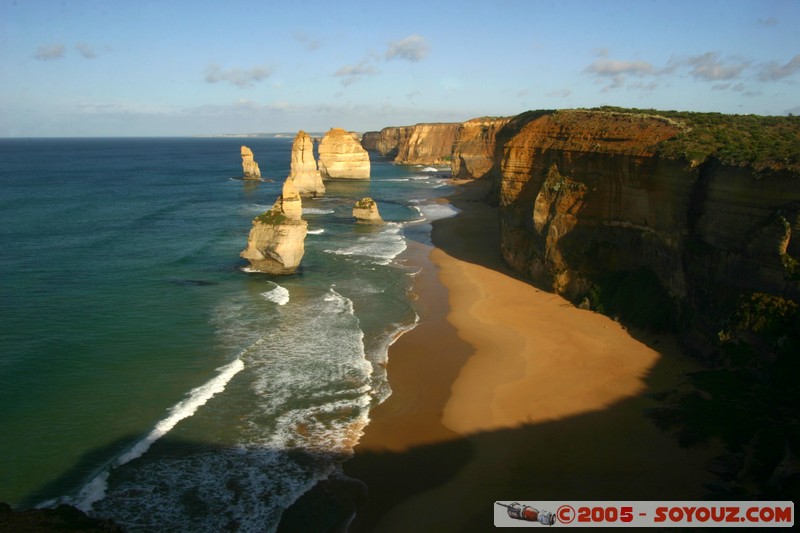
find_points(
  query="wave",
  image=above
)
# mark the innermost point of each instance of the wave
(380, 355)
(316, 231)
(279, 295)
(381, 247)
(436, 211)
(430, 169)
(316, 211)
(95, 490)
(308, 385)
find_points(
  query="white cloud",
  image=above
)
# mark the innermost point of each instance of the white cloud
(561, 93)
(85, 50)
(710, 67)
(239, 77)
(412, 48)
(773, 71)
(307, 41)
(353, 73)
(49, 52)
(610, 67)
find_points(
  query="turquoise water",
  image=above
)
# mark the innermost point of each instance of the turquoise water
(145, 375)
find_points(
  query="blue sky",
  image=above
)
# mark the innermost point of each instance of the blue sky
(96, 68)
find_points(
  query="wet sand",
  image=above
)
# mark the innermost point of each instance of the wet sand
(505, 392)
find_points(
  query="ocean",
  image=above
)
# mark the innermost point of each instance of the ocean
(145, 374)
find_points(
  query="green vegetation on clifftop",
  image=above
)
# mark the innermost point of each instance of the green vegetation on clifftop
(738, 140)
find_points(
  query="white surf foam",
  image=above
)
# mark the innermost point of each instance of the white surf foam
(316, 211)
(437, 211)
(94, 491)
(279, 295)
(381, 247)
(430, 169)
(316, 231)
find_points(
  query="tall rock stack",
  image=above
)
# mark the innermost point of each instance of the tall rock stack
(304, 171)
(341, 156)
(276, 243)
(249, 165)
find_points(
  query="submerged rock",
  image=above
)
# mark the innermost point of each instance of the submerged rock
(366, 212)
(249, 165)
(341, 156)
(276, 242)
(304, 171)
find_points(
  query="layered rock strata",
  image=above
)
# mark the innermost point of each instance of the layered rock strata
(341, 156)
(304, 172)
(366, 212)
(421, 144)
(249, 165)
(370, 140)
(426, 144)
(275, 244)
(473, 154)
(385, 142)
(586, 196)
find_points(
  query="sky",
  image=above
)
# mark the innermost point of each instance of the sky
(165, 68)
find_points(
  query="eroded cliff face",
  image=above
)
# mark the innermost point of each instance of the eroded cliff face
(420, 144)
(385, 142)
(584, 196)
(341, 156)
(370, 140)
(426, 144)
(474, 146)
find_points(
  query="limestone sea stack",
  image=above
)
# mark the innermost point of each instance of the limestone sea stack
(341, 156)
(366, 212)
(276, 241)
(304, 171)
(249, 165)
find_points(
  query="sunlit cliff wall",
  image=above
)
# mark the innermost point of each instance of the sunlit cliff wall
(585, 196)
(420, 144)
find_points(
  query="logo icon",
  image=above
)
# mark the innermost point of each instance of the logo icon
(528, 513)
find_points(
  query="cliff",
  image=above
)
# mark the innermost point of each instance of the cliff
(595, 203)
(304, 172)
(342, 157)
(365, 211)
(426, 144)
(249, 165)
(370, 141)
(421, 144)
(385, 142)
(473, 154)
(275, 244)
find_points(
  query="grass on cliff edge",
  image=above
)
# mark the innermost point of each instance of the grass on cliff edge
(760, 142)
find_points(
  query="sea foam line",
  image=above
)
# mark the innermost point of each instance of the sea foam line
(279, 295)
(95, 489)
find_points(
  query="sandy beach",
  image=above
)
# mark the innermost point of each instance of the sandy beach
(505, 392)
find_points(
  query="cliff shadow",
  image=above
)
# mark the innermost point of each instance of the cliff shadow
(473, 234)
(614, 453)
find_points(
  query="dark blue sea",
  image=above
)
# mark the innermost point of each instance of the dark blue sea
(145, 374)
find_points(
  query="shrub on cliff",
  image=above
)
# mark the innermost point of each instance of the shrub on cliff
(757, 141)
